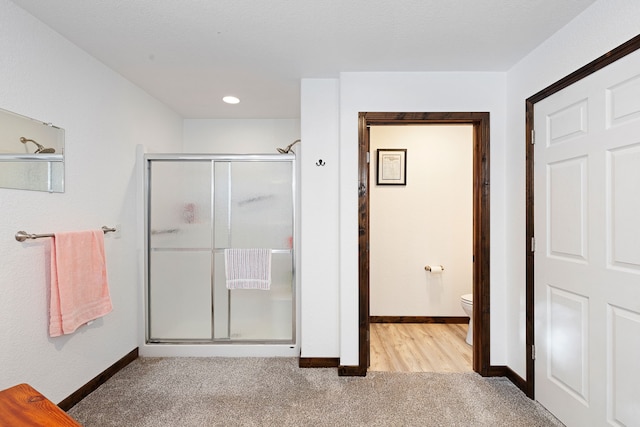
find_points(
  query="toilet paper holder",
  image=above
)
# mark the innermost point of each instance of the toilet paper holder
(428, 267)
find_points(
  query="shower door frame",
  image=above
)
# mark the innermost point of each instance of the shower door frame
(213, 158)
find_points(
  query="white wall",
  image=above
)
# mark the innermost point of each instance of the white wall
(319, 274)
(42, 75)
(428, 221)
(240, 136)
(360, 92)
(602, 27)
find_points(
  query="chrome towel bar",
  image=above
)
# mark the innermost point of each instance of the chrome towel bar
(21, 236)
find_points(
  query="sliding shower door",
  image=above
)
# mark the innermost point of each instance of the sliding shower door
(179, 255)
(199, 207)
(254, 209)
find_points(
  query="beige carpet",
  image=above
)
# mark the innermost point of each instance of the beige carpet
(275, 392)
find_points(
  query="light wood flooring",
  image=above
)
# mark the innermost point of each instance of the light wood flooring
(419, 347)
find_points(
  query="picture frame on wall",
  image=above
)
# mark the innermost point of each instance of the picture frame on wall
(391, 166)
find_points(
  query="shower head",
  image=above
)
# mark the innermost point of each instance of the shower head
(288, 149)
(40, 149)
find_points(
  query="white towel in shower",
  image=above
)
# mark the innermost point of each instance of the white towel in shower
(248, 268)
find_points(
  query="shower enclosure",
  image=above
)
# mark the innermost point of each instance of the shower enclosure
(196, 207)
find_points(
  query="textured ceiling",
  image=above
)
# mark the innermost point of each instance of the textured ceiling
(188, 54)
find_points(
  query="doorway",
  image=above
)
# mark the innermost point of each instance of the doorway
(481, 193)
(421, 229)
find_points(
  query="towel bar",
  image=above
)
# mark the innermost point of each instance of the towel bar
(21, 236)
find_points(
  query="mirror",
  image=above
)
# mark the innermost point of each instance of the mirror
(31, 154)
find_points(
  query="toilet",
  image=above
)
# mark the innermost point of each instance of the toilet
(466, 301)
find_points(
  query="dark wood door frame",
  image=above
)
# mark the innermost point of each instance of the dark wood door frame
(595, 65)
(481, 192)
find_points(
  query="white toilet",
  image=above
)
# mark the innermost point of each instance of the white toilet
(466, 301)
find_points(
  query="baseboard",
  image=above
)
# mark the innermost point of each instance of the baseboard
(92, 385)
(505, 371)
(318, 362)
(352, 371)
(418, 319)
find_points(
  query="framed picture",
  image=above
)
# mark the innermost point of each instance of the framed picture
(392, 166)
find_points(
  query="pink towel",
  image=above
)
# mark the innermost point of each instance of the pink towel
(79, 289)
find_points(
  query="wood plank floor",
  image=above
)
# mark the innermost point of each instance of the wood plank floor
(420, 347)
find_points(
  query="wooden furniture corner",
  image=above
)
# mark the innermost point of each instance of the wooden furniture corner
(22, 406)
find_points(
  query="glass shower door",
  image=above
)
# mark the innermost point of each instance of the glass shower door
(254, 209)
(196, 209)
(179, 250)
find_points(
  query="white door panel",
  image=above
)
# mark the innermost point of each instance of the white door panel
(623, 392)
(587, 262)
(567, 193)
(624, 207)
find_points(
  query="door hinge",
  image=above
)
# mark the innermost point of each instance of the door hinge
(367, 157)
(533, 136)
(533, 352)
(533, 244)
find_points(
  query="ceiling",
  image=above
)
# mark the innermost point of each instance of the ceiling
(191, 53)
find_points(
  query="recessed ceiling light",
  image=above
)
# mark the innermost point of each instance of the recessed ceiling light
(230, 99)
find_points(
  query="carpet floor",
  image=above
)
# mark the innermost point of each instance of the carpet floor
(275, 392)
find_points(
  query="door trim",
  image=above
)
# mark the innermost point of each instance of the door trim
(481, 226)
(608, 58)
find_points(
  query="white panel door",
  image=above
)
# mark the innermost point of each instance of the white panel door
(587, 258)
